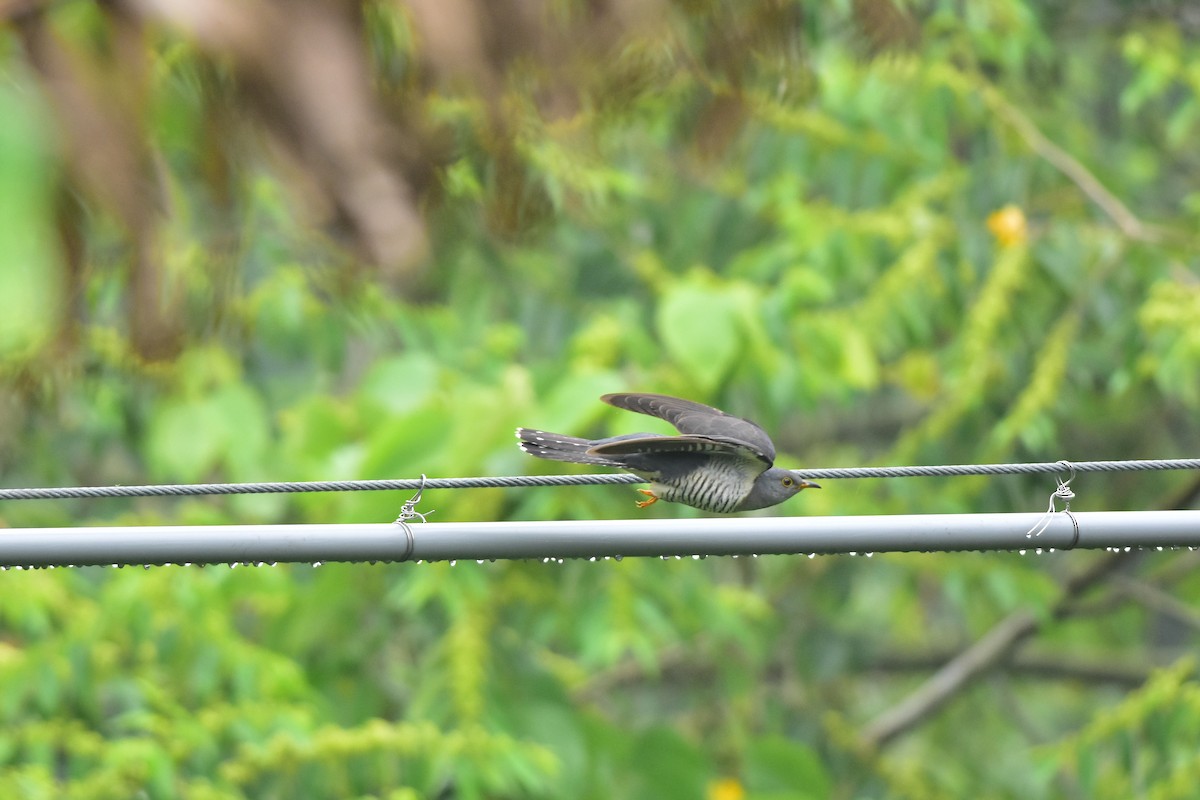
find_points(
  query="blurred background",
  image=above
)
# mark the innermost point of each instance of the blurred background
(248, 240)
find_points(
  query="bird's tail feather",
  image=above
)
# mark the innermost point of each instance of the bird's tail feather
(558, 447)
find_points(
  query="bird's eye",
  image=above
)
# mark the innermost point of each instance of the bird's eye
(789, 482)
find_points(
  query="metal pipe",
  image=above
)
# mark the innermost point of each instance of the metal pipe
(437, 541)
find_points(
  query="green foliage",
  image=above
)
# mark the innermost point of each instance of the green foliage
(1142, 745)
(29, 276)
(944, 239)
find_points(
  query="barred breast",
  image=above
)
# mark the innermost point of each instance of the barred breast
(718, 485)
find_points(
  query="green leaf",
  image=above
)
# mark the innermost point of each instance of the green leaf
(181, 443)
(860, 365)
(402, 383)
(776, 764)
(407, 445)
(698, 323)
(668, 766)
(245, 428)
(29, 261)
(574, 400)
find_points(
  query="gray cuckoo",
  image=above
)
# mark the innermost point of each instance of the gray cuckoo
(719, 462)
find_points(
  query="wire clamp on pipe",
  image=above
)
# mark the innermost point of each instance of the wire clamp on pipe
(408, 512)
(1064, 493)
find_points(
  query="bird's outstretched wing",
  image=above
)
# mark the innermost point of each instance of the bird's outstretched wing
(698, 420)
(649, 444)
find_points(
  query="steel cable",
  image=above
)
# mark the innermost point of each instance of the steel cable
(413, 484)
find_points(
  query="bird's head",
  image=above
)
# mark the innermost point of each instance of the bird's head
(773, 487)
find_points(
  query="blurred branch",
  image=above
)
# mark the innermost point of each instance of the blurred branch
(998, 644)
(1155, 599)
(989, 651)
(1179, 567)
(678, 665)
(14, 10)
(1182, 566)
(100, 101)
(674, 665)
(1037, 665)
(324, 110)
(1068, 165)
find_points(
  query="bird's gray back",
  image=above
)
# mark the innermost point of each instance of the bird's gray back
(691, 418)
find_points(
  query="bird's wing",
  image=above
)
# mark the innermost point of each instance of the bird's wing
(650, 445)
(697, 419)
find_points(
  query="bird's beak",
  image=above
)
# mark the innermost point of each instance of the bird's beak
(803, 484)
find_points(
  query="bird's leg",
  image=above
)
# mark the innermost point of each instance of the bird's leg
(652, 498)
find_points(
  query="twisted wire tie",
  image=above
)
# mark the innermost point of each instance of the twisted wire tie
(1062, 492)
(408, 512)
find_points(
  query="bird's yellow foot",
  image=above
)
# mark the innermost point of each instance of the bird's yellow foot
(652, 498)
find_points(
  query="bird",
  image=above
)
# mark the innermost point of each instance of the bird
(718, 463)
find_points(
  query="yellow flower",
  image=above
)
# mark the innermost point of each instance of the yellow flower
(1008, 225)
(726, 789)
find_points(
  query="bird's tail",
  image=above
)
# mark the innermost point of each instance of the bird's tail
(558, 447)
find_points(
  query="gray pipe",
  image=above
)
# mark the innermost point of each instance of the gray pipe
(436, 541)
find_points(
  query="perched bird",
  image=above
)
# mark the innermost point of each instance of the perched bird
(719, 462)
